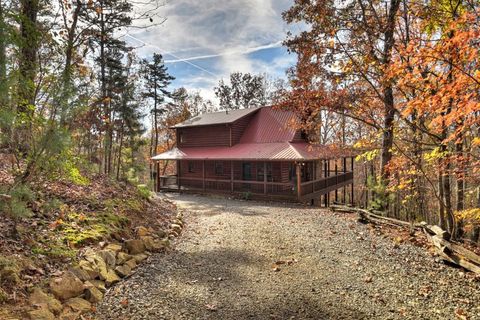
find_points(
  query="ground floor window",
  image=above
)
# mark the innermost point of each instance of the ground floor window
(247, 171)
(261, 171)
(191, 166)
(218, 168)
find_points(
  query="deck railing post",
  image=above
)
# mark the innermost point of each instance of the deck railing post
(157, 182)
(231, 176)
(325, 168)
(299, 181)
(265, 177)
(203, 175)
(336, 181)
(352, 196)
(328, 172)
(178, 174)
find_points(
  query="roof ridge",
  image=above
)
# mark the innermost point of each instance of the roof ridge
(299, 155)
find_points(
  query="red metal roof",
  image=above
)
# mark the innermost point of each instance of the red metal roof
(221, 117)
(253, 151)
(270, 125)
(268, 136)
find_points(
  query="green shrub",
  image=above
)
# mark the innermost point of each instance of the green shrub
(9, 271)
(17, 205)
(3, 296)
(51, 205)
(55, 251)
(143, 191)
(382, 197)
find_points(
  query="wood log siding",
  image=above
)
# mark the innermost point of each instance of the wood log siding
(210, 170)
(223, 135)
(238, 128)
(206, 136)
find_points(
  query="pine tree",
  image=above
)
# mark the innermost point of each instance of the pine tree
(156, 80)
(106, 17)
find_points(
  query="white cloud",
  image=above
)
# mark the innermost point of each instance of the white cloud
(239, 51)
(213, 38)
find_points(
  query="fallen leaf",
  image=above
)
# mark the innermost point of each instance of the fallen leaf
(211, 307)
(461, 314)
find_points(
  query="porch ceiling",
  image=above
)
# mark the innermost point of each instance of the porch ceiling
(287, 151)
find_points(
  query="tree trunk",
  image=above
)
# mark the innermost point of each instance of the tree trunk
(152, 139)
(441, 215)
(28, 55)
(119, 161)
(67, 69)
(388, 101)
(460, 187)
(3, 59)
(103, 80)
(448, 199)
(27, 65)
(476, 229)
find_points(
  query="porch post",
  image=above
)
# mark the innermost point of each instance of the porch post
(299, 181)
(203, 174)
(352, 197)
(178, 174)
(231, 176)
(325, 198)
(265, 177)
(328, 174)
(157, 184)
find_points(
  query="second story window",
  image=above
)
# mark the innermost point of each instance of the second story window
(182, 137)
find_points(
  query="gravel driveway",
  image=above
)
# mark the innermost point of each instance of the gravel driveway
(252, 260)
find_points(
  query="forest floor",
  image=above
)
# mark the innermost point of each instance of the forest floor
(250, 260)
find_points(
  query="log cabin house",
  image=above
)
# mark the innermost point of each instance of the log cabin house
(255, 153)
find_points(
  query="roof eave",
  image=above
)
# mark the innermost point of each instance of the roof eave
(177, 126)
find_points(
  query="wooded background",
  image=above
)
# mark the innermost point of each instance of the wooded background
(398, 80)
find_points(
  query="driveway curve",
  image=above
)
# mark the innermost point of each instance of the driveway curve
(252, 260)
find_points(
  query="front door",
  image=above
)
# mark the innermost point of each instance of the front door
(246, 171)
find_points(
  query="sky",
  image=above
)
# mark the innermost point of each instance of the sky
(204, 41)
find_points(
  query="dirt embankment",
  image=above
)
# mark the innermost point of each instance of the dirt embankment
(66, 219)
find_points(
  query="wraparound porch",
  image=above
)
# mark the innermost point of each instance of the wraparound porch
(306, 181)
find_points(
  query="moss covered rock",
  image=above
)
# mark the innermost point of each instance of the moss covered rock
(40, 299)
(3, 296)
(66, 287)
(134, 246)
(79, 304)
(9, 271)
(93, 295)
(41, 314)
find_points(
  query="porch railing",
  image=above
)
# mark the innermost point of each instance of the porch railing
(325, 184)
(258, 187)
